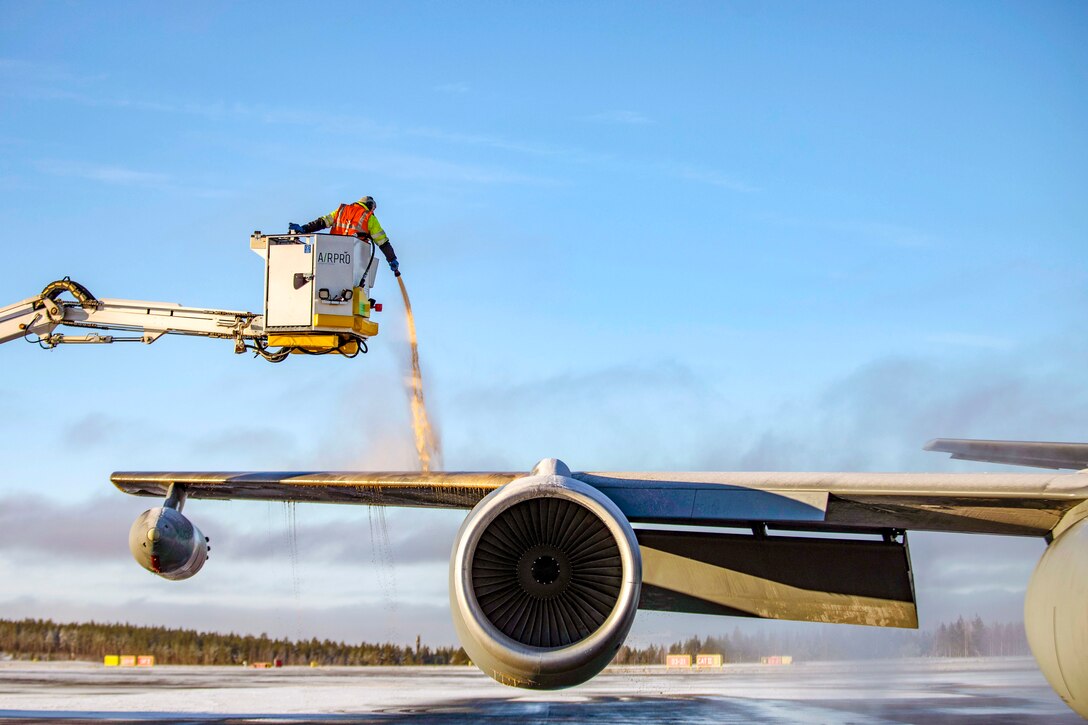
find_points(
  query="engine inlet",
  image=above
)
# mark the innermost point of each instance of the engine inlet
(547, 572)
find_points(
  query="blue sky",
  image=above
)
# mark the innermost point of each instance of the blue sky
(637, 236)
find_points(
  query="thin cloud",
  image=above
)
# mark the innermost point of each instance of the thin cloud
(27, 71)
(875, 233)
(456, 88)
(496, 142)
(255, 437)
(961, 339)
(84, 99)
(623, 414)
(424, 168)
(415, 167)
(92, 530)
(312, 119)
(95, 429)
(711, 177)
(113, 175)
(104, 173)
(876, 418)
(893, 235)
(956, 574)
(626, 118)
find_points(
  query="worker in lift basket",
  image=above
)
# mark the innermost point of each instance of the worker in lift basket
(357, 219)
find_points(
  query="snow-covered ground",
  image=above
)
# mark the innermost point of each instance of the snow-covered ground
(932, 691)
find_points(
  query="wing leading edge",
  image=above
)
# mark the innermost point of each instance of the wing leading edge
(456, 490)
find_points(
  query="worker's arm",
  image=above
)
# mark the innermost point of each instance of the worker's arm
(374, 229)
(379, 237)
(390, 256)
(322, 222)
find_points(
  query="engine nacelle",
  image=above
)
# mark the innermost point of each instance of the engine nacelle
(544, 581)
(166, 543)
(1056, 615)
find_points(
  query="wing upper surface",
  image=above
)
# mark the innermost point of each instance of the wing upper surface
(936, 485)
(986, 503)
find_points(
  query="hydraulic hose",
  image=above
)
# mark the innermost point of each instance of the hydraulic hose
(53, 290)
(366, 271)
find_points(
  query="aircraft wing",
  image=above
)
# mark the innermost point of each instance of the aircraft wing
(1015, 453)
(784, 575)
(986, 503)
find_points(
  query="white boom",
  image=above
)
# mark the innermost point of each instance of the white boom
(36, 318)
(317, 291)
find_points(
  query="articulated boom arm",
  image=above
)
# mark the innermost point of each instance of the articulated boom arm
(35, 319)
(317, 297)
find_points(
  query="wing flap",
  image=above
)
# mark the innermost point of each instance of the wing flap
(778, 577)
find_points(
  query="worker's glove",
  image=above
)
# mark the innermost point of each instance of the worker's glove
(294, 228)
(395, 266)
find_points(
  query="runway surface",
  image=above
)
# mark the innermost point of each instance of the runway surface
(1007, 690)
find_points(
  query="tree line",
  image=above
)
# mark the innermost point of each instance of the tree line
(962, 638)
(44, 639)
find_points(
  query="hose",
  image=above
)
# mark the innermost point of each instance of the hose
(341, 349)
(261, 349)
(53, 290)
(366, 271)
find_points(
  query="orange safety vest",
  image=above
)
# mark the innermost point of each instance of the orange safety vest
(351, 219)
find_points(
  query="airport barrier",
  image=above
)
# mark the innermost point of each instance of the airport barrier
(129, 660)
(266, 665)
(703, 661)
(708, 660)
(678, 661)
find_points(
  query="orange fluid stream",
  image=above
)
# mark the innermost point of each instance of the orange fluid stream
(427, 444)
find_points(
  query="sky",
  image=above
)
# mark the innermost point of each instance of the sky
(637, 236)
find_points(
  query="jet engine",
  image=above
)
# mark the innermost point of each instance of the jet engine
(1056, 617)
(166, 543)
(544, 580)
